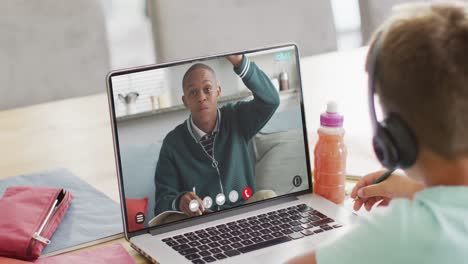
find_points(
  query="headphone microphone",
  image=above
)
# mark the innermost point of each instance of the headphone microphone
(394, 143)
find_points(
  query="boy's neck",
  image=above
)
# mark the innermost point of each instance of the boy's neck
(209, 125)
(435, 170)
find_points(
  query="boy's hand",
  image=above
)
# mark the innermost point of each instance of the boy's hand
(236, 60)
(184, 204)
(395, 186)
(308, 258)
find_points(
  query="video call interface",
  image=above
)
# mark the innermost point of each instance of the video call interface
(209, 135)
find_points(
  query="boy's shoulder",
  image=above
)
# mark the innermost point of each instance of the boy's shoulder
(176, 134)
(229, 110)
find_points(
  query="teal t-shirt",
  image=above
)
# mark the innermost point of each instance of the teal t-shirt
(432, 228)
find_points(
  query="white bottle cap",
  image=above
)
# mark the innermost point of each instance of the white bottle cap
(332, 107)
(283, 75)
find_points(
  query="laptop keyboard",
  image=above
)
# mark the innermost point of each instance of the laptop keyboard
(256, 232)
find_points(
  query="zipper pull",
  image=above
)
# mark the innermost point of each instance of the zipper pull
(41, 239)
(37, 235)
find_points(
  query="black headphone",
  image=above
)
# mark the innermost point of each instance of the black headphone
(394, 143)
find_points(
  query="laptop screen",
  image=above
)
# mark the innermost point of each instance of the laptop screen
(205, 135)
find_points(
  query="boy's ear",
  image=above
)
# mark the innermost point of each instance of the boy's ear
(183, 100)
(218, 91)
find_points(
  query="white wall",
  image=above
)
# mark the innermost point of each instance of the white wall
(129, 33)
(348, 23)
(151, 129)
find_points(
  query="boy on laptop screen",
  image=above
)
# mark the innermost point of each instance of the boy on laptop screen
(220, 138)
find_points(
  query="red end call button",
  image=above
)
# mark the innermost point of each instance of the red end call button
(247, 193)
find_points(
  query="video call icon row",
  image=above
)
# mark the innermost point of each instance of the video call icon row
(221, 199)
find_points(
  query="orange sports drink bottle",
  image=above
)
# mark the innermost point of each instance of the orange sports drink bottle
(330, 156)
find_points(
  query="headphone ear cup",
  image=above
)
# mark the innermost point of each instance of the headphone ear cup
(403, 139)
(384, 148)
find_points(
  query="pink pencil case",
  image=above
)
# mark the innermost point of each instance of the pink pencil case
(30, 216)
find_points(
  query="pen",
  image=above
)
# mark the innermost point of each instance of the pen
(380, 179)
(195, 192)
(384, 176)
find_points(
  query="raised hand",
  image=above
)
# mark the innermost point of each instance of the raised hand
(236, 60)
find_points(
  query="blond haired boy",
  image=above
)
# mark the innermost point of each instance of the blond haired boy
(423, 77)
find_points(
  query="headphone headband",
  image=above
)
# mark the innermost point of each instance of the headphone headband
(372, 74)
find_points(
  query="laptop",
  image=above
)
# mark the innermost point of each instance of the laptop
(213, 159)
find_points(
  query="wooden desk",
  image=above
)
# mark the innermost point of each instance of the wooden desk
(76, 134)
(73, 134)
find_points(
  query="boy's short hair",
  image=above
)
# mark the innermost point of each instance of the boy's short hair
(423, 73)
(197, 66)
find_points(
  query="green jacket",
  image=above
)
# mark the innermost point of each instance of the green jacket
(183, 164)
